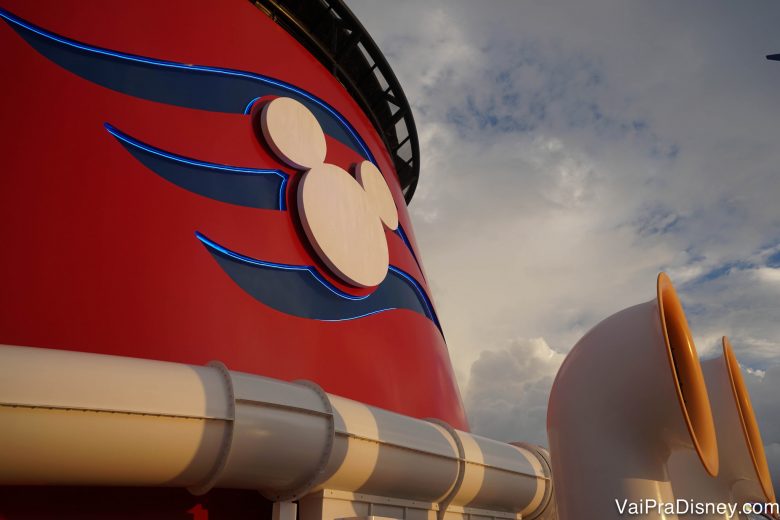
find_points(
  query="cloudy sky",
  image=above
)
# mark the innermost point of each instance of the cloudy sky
(570, 152)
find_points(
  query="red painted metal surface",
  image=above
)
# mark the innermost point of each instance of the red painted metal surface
(99, 254)
(65, 503)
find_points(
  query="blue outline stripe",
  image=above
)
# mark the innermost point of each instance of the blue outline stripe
(420, 291)
(312, 271)
(287, 267)
(399, 231)
(201, 68)
(359, 316)
(131, 141)
(249, 107)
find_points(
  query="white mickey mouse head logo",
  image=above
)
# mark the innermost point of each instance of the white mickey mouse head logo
(343, 217)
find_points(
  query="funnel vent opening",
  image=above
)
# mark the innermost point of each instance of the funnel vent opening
(748, 421)
(688, 377)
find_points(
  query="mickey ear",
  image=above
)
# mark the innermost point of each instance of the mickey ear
(293, 133)
(378, 193)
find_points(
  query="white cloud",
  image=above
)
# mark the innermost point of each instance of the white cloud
(508, 390)
(764, 391)
(570, 151)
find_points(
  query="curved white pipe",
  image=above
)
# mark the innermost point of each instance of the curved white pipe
(744, 473)
(629, 393)
(73, 418)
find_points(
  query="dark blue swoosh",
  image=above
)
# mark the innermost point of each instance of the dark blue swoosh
(252, 187)
(301, 291)
(256, 188)
(192, 86)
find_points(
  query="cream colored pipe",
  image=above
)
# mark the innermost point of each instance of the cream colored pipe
(545, 510)
(72, 418)
(744, 473)
(492, 476)
(629, 393)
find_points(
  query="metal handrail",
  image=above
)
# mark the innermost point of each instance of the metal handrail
(332, 33)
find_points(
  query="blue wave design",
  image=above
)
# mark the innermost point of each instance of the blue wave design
(232, 91)
(244, 189)
(191, 86)
(301, 291)
(251, 187)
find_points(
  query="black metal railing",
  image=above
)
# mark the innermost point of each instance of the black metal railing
(332, 33)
